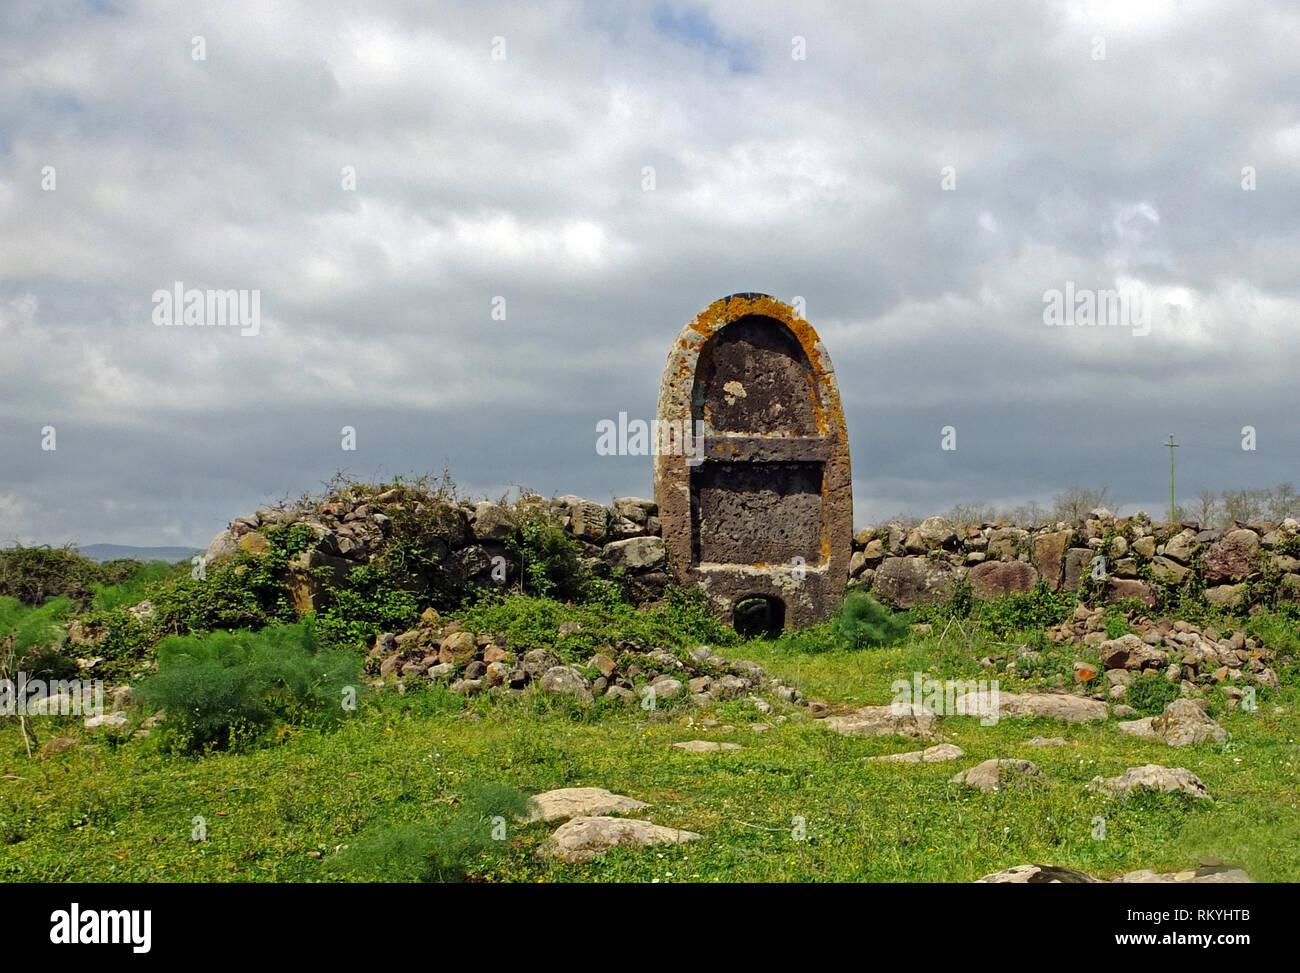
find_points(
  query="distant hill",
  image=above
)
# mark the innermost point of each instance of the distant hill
(109, 552)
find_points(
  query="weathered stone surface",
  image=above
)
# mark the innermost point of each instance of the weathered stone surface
(566, 681)
(1130, 652)
(492, 522)
(1005, 543)
(1151, 777)
(254, 542)
(1180, 546)
(1231, 558)
(666, 687)
(572, 802)
(764, 509)
(705, 746)
(225, 544)
(637, 553)
(113, 721)
(57, 745)
(589, 521)
(1052, 706)
(932, 534)
(458, 648)
(1077, 561)
(538, 661)
(1041, 741)
(1123, 589)
(1049, 556)
(999, 775)
(911, 581)
(994, 579)
(1226, 595)
(1182, 724)
(930, 755)
(1213, 875)
(1168, 570)
(1037, 874)
(911, 720)
(584, 838)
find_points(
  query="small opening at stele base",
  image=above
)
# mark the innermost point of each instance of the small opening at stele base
(759, 617)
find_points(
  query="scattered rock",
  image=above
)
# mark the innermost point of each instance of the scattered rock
(930, 755)
(1130, 652)
(566, 681)
(1052, 706)
(912, 720)
(458, 648)
(999, 775)
(1212, 875)
(56, 745)
(1152, 777)
(1183, 722)
(705, 746)
(1037, 874)
(572, 802)
(1047, 742)
(114, 721)
(584, 838)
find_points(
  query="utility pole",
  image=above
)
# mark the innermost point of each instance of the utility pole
(1171, 446)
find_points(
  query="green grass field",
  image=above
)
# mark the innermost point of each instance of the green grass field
(124, 810)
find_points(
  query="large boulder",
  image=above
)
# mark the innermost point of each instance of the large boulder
(584, 838)
(1126, 589)
(1130, 652)
(993, 579)
(1078, 562)
(1038, 874)
(572, 802)
(1180, 546)
(1049, 556)
(457, 648)
(492, 522)
(1151, 777)
(1231, 558)
(1005, 543)
(589, 521)
(637, 553)
(224, 545)
(1183, 723)
(912, 581)
(911, 720)
(1049, 706)
(933, 534)
(999, 775)
(566, 681)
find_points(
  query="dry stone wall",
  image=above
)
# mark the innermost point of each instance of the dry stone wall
(1106, 558)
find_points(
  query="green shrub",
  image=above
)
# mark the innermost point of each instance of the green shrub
(1117, 625)
(34, 574)
(34, 628)
(861, 622)
(1150, 694)
(136, 585)
(227, 688)
(422, 853)
(550, 559)
(246, 592)
(374, 599)
(1035, 609)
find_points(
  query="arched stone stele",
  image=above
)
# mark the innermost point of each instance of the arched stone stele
(763, 506)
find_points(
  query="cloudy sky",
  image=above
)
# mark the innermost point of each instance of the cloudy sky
(921, 174)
